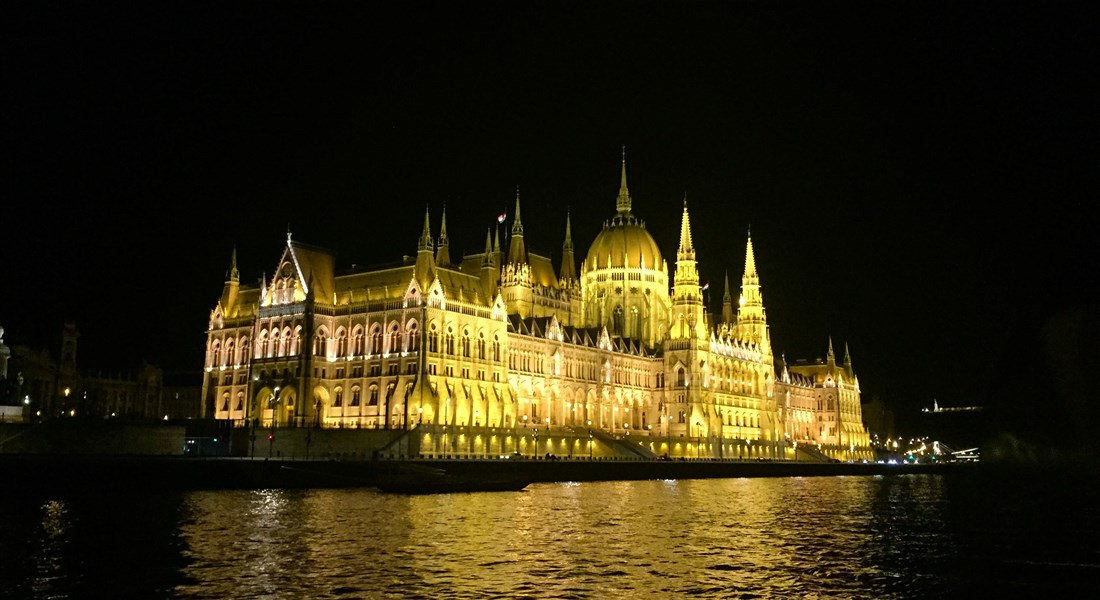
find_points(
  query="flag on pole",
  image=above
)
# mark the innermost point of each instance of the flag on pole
(706, 286)
(501, 217)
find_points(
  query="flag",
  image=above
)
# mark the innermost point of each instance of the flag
(706, 286)
(501, 217)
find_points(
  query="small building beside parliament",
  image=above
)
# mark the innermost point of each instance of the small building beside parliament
(499, 353)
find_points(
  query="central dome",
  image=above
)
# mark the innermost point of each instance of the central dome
(623, 243)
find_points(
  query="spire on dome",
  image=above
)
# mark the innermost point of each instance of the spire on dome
(623, 203)
(831, 357)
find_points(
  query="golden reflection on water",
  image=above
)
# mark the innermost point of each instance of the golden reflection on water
(827, 537)
(775, 537)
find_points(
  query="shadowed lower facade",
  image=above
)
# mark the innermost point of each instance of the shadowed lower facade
(498, 348)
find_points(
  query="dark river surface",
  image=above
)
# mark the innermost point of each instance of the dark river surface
(901, 536)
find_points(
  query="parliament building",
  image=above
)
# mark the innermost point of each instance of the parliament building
(480, 355)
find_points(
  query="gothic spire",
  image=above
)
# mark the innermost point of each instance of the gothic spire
(831, 356)
(568, 269)
(517, 225)
(727, 302)
(234, 274)
(750, 258)
(443, 255)
(568, 234)
(517, 252)
(687, 249)
(426, 234)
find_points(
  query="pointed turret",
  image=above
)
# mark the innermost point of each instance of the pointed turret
(490, 268)
(443, 255)
(750, 258)
(831, 356)
(234, 274)
(686, 296)
(623, 203)
(687, 248)
(517, 252)
(232, 286)
(487, 260)
(752, 324)
(425, 256)
(568, 262)
(847, 359)
(426, 234)
(515, 274)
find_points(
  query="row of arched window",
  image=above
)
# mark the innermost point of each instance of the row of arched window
(360, 341)
(373, 394)
(464, 345)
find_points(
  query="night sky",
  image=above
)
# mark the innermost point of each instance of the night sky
(918, 177)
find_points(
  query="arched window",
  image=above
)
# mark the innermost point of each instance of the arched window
(413, 341)
(481, 345)
(357, 341)
(393, 342)
(617, 321)
(225, 402)
(449, 341)
(355, 396)
(375, 340)
(496, 348)
(466, 343)
(341, 342)
(240, 401)
(433, 339)
(296, 341)
(373, 401)
(338, 396)
(681, 377)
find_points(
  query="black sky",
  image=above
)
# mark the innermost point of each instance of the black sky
(918, 177)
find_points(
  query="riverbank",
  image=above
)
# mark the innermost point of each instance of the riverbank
(76, 473)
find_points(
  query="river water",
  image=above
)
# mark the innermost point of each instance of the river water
(903, 536)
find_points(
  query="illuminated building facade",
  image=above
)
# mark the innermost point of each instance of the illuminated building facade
(496, 346)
